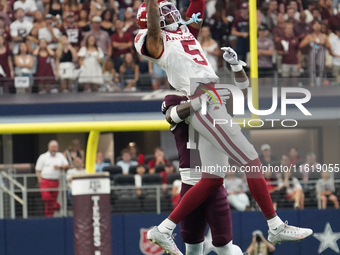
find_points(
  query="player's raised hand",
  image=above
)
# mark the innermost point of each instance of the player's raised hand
(194, 19)
(230, 56)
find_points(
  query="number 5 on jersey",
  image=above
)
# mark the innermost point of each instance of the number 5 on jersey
(194, 52)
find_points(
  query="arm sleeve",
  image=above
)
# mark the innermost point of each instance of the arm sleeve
(82, 52)
(64, 160)
(332, 185)
(39, 164)
(195, 7)
(33, 7)
(100, 53)
(138, 181)
(297, 184)
(68, 174)
(13, 30)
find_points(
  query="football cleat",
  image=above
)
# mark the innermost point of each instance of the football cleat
(286, 233)
(163, 240)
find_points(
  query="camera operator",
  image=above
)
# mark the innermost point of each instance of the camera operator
(259, 245)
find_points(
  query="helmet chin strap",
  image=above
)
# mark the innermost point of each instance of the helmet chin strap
(172, 27)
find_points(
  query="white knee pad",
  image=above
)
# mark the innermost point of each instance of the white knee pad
(229, 249)
(194, 249)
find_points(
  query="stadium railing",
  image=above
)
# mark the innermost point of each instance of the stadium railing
(20, 197)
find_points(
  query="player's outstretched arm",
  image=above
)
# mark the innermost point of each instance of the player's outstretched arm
(195, 7)
(154, 41)
(241, 78)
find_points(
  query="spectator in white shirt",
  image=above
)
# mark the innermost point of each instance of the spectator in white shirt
(236, 192)
(49, 33)
(28, 6)
(326, 189)
(140, 171)
(78, 169)
(48, 169)
(126, 161)
(310, 166)
(293, 190)
(19, 30)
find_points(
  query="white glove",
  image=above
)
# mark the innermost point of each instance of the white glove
(230, 56)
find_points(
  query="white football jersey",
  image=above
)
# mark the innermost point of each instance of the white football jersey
(182, 59)
(21, 29)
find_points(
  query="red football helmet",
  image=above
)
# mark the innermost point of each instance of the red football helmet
(168, 13)
(142, 16)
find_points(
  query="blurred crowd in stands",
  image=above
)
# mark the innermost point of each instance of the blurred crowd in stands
(296, 182)
(83, 45)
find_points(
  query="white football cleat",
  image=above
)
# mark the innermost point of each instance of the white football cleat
(288, 233)
(164, 240)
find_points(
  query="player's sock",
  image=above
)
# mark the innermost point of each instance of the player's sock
(167, 226)
(258, 187)
(274, 223)
(196, 196)
(194, 249)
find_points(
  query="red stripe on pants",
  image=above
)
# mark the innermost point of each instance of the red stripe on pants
(49, 197)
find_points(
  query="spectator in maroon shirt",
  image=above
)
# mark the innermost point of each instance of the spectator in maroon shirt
(327, 11)
(6, 65)
(44, 73)
(278, 31)
(301, 30)
(168, 169)
(4, 15)
(291, 16)
(158, 160)
(291, 55)
(103, 39)
(265, 50)
(316, 14)
(130, 25)
(4, 31)
(241, 30)
(72, 31)
(334, 22)
(294, 157)
(122, 43)
(135, 153)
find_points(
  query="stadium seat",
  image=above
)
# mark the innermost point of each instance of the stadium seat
(107, 160)
(127, 205)
(132, 170)
(159, 168)
(148, 158)
(151, 179)
(124, 180)
(113, 170)
(172, 177)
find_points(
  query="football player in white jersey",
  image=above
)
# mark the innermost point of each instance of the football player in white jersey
(173, 46)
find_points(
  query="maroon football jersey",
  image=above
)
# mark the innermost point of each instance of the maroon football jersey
(73, 33)
(187, 158)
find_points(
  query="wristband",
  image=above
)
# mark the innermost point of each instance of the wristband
(242, 85)
(196, 103)
(236, 68)
(174, 115)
